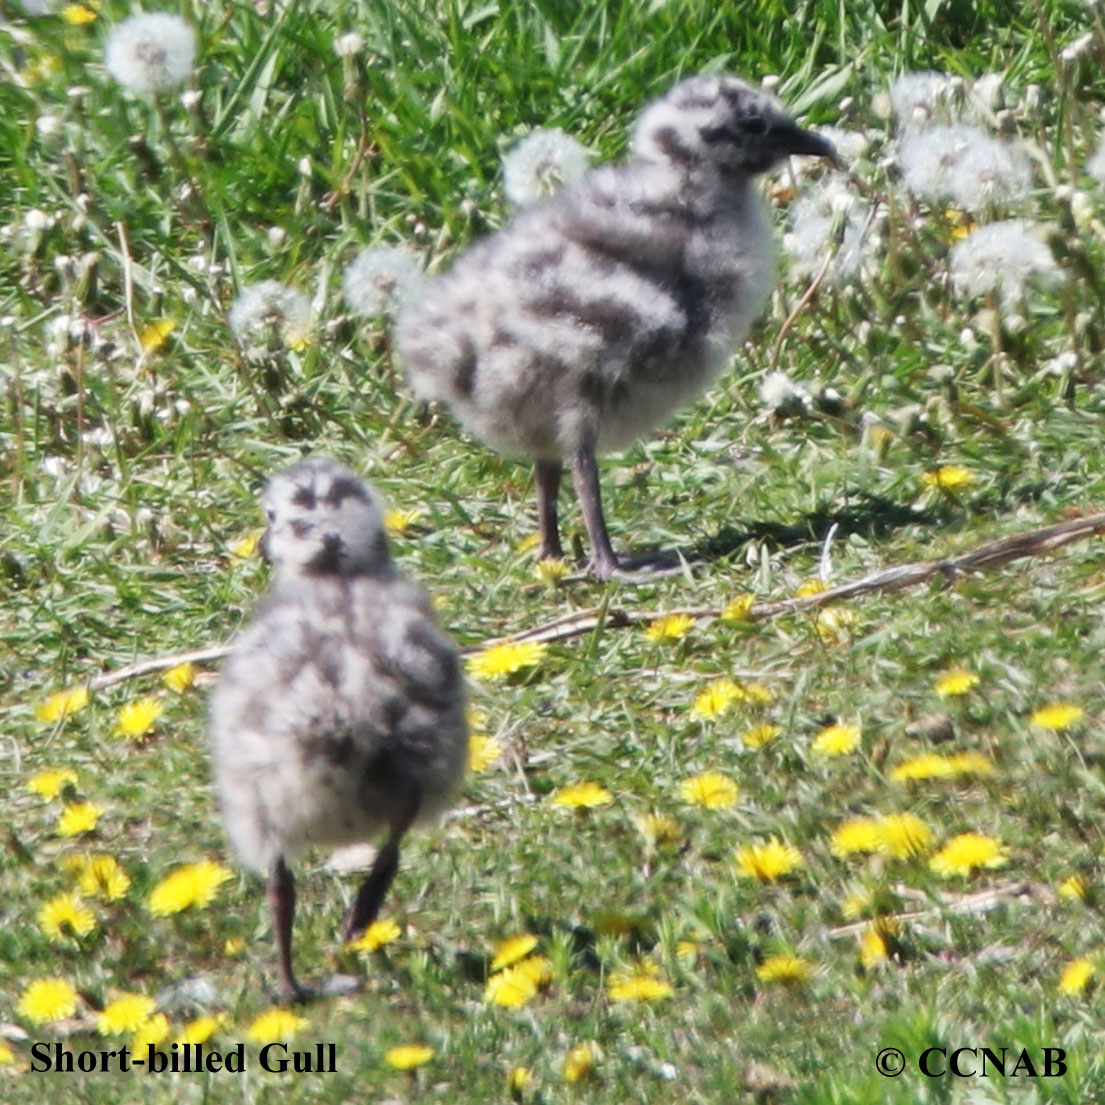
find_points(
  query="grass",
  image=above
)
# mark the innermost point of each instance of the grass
(130, 476)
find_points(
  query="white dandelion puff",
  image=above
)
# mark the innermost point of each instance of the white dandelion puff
(987, 91)
(782, 396)
(989, 174)
(151, 52)
(378, 281)
(1095, 167)
(269, 314)
(1003, 257)
(541, 164)
(928, 158)
(850, 145)
(830, 215)
(921, 99)
(348, 45)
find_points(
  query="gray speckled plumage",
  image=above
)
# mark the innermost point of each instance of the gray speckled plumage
(591, 317)
(340, 710)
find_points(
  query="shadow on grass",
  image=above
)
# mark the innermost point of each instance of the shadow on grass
(872, 516)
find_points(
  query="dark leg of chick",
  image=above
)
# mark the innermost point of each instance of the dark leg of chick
(281, 894)
(373, 890)
(546, 477)
(585, 476)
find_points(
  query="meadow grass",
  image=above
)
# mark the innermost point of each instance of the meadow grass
(133, 451)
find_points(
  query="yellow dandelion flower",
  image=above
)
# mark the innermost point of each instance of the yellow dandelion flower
(669, 627)
(502, 660)
(528, 543)
(202, 1029)
(1057, 716)
(635, 986)
(904, 835)
(398, 523)
(970, 763)
(77, 818)
(716, 699)
(49, 784)
(482, 752)
(101, 876)
(784, 968)
(125, 1013)
(6, 1055)
(512, 949)
(1076, 976)
(246, 546)
(872, 948)
(519, 1078)
(275, 1024)
(834, 623)
(711, 790)
(48, 1000)
(931, 765)
(687, 950)
(657, 829)
(1074, 888)
(537, 968)
(857, 904)
(768, 862)
(581, 796)
(861, 834)
(408, 1056)
(579, 1062)
(551, 571)
(759, 735)
(949, 477)
(233, 946)
(154, 336)
(77, 15)
(956, 682)
(154, 1031)
(810, 587)
(758, 694)
(137, 718)
(180, 677)
(376, 936)
(836, 740)
(64, 916)
(963, 853)
(476, 718)
(510, 988)
(62, 704)
(738, 608)
(192, 884)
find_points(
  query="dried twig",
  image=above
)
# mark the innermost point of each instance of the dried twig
(988, 555)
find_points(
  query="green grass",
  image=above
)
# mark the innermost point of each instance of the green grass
(128, 480)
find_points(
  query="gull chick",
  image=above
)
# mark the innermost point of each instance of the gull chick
(592, 317)
(340, 710)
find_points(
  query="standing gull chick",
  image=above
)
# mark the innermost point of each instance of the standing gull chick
(340, 710)
(591, 317)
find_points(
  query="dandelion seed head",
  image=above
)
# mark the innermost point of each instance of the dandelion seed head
(989, 175)
(269, 313)
(920, 99)
(1003, 257)
(379, 280)
(780, 394)
(541, 164)
(928, 158)
(1095, 167)
(151, 52)
(348, 45)
(829, 217)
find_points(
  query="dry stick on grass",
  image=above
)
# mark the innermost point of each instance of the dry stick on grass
(988, 555)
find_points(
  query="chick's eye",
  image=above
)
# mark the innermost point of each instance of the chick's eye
(755, 124)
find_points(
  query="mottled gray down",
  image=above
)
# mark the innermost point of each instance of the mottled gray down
(606, 307)
(341, 691)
